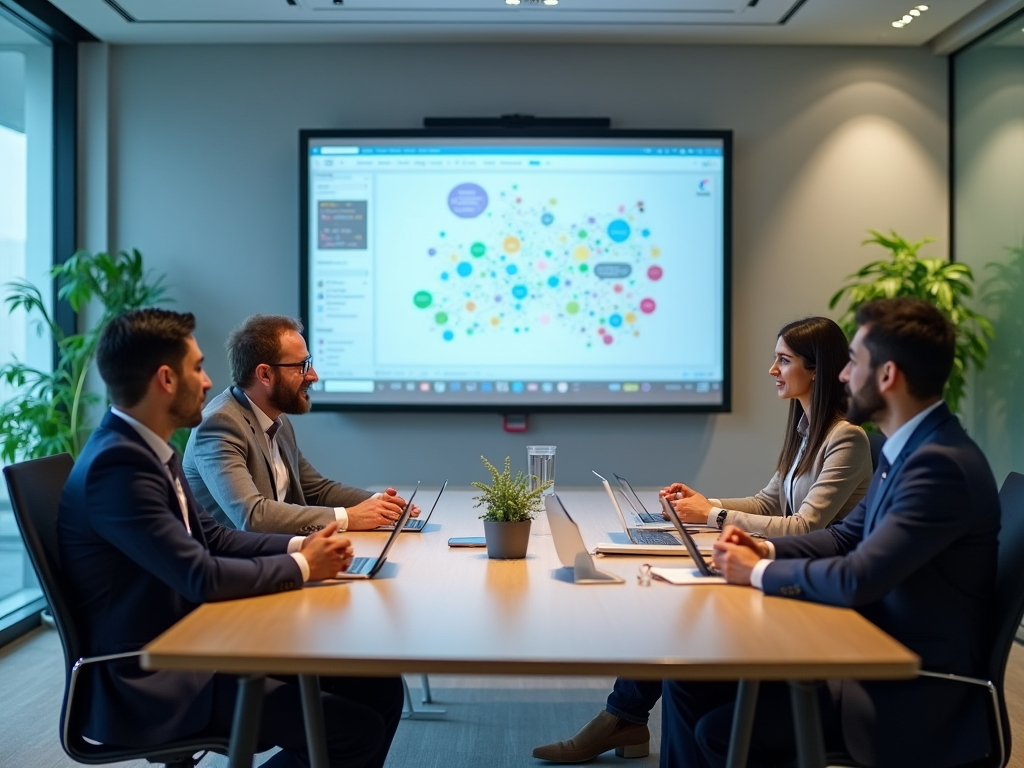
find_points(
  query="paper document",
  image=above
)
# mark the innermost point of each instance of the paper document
(684, 576)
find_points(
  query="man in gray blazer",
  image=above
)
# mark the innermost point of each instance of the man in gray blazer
(243, 463)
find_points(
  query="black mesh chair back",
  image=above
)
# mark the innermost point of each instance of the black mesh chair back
(35, 488)
(1009, 592)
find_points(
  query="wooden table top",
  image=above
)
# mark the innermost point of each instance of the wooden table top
(439, 610)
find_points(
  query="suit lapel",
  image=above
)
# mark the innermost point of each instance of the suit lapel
(258, 435)
(110, 421)
(882, 486)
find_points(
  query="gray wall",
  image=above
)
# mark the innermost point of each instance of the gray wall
(203, 179)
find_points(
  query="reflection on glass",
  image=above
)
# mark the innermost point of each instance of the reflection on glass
(26, 246)
(988, 197)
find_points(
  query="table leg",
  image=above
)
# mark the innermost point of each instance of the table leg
(810, 740)
(245, 729)
(742, 723)
(313, 715)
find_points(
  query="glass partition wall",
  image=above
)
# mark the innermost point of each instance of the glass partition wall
(26, 253)
(988, 215)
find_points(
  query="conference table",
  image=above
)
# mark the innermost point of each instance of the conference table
(435, 609)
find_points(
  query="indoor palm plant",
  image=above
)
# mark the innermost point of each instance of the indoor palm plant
(48, 413)
(945, 284)
(509, 506)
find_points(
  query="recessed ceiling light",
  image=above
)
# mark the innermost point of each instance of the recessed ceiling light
(914, 12)
(907, 19)
(511, 2)
(550, 2)
(897, 24)
(922, 7)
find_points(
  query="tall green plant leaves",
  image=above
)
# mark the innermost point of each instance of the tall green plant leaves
(945, 284)
(47, 415)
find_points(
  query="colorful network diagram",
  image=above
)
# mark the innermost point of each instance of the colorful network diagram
(592, 274)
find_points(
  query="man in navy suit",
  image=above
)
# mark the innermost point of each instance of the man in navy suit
(917, 557)
(139, 553)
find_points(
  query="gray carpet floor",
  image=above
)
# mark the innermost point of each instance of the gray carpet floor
(490, 721)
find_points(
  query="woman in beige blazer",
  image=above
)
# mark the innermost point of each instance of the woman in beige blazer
(822, 473)
(824, 467)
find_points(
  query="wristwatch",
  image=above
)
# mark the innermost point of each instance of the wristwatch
(721, 519)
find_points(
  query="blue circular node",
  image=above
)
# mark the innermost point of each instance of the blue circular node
(519, 291)
(618, 230)
(444, 275)
(448, 335)
(547, 219)
(646, 233)
(511, 269)
(465, 269)
(615, 320)
(553, 281)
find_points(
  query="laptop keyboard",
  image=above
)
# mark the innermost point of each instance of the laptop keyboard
(361, 564)
(641, 536)
(647, 517)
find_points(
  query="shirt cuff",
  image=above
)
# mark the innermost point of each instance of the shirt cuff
(341, 515)
(295, 544)
(771, 549)
(713, 514)
(303, 565)
(757, 573)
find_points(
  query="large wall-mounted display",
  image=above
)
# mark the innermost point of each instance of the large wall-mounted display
(513, 271)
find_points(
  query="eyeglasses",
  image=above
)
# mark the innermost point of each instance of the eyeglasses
(305, 365)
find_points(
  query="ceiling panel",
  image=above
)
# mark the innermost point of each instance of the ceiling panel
(784, 22)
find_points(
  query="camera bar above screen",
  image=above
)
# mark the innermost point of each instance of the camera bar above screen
(517, 271)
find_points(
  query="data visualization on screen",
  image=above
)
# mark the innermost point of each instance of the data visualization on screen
(517, 273)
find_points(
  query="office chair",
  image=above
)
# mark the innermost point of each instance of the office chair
(1009, 610)
(35, 488)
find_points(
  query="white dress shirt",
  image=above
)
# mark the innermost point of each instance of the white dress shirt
(164, 452)
(281, 477)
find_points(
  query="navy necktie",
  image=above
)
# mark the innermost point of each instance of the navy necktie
(272, 430)
(883, 466)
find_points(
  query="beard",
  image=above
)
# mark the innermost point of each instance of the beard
(187, 409)
(294, 402)
(865, 405)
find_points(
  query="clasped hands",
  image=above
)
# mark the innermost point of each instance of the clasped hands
(736, 553)
(691, 506)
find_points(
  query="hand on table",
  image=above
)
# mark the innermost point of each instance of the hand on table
(382, 509)
(736, 553)
(326, 554)
(692, 507)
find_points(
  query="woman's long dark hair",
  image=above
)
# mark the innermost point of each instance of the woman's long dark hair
(823, 348)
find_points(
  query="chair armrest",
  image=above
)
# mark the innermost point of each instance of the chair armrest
(66, 725)
(993, 694)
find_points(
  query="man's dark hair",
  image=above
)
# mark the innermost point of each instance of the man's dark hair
(915, 336)
(254, 342)
(134, 345)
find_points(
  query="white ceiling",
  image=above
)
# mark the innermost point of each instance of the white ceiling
(783, 22)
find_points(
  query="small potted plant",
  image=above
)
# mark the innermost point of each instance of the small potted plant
(510, 506)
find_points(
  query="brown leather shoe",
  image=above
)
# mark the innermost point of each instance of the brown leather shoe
(604, 732)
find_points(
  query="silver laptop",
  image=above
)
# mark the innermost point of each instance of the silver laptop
(416, 524)
(367, 567)
(689, 543)
(638, 535)
(646, 518)
(572, 552)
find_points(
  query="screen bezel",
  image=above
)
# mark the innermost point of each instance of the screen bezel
(516, 132)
